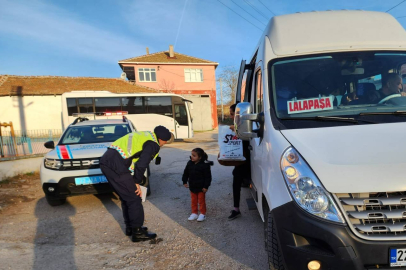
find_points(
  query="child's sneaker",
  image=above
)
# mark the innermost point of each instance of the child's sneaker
(201, 217)
(193, 216)
(234, 215)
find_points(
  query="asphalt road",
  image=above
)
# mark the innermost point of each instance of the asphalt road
(87, 232)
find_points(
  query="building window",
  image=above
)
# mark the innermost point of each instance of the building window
(193, 75)
(147, 74)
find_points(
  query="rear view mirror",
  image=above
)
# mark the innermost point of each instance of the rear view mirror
(157, 160)
(49, 145)
(243, 121)
(355, 71)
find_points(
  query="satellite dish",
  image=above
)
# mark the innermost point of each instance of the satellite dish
(123, 76)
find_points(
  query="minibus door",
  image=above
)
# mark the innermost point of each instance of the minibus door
(181, 121)
(256, 145)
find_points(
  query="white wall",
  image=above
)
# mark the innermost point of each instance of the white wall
(19, 166)
(32, 112)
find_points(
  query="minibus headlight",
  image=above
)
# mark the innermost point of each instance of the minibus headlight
(306, 189)
(52, 164)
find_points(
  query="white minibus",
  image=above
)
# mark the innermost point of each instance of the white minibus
(145, 110)
(323, 108)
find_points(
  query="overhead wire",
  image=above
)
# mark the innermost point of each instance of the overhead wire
(267, 18)
(395, 6)
(247, 12)
(240, 15)
(267, 8)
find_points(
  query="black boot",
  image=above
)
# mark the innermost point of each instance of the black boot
(129, 230)
(138, 235)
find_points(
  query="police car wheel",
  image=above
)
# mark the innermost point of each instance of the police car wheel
(275, 258)
(55, 202)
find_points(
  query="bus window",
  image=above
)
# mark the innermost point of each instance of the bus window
(85, 105)
(132, 105)
(181, 114)
(72, 106)
(158, 105)
(112, 104)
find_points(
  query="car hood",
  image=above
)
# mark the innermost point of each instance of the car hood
(77, 151)
(354, 159)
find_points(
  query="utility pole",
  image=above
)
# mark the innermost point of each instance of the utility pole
(221, 99)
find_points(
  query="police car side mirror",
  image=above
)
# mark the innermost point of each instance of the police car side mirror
(49, 145)
(157, 160)
(243, 121)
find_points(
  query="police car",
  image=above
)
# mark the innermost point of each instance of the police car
(72, 166)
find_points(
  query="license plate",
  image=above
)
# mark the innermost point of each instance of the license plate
(90, 180)
(397, 257)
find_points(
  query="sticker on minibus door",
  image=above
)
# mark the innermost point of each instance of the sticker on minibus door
(310, 105)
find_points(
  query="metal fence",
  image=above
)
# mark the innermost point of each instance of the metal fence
(26, 143)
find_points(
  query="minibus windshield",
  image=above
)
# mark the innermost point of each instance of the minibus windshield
(356, 84)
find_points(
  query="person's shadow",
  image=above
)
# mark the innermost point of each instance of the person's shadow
(115, 211)
(55, 237)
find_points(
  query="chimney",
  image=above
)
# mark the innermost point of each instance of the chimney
(147, 50)
(171, 53)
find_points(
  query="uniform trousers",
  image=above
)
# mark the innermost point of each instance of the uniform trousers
(131, 204)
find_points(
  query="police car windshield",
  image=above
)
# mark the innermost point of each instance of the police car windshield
(94, 133)
(339, 85)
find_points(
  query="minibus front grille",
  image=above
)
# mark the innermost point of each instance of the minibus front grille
(375, 216)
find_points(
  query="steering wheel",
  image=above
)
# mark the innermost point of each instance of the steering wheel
(389, 97)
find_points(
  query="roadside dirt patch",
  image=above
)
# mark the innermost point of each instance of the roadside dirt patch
(18, 189)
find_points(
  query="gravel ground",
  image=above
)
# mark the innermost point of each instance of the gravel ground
(87, 231)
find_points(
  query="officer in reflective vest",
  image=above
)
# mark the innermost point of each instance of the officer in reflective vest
(124, 165)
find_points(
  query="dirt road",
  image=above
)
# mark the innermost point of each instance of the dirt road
(87, 232)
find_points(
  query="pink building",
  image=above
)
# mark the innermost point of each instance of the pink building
(191, 77)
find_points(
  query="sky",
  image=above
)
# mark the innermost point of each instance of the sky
(87, 38)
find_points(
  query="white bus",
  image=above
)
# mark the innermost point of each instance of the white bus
(145, 110)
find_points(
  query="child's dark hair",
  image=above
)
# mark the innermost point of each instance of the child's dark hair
(201, 154)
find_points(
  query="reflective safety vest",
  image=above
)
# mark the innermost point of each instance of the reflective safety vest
(132, 143)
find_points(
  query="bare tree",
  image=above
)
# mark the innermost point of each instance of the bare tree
(167, 86)
(229, 78)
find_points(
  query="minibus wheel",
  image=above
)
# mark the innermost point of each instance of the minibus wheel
(272, 247)
(54, 202)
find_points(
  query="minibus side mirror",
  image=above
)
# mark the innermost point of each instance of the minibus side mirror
(243, 121)
(49, 145)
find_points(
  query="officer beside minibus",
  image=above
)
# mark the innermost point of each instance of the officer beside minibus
(124, 164)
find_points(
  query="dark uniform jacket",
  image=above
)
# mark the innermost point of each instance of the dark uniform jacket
(198, 175)
(113, 160)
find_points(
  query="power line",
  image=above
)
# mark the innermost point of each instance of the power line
(400, 17)
(239, 15)
(247, 12)
(267, 8)
(395, 6)
(258, 10)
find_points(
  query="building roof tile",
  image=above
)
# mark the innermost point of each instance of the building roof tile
(12, 85)
(163, 57)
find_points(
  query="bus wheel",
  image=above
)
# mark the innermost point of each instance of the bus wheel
(272, 247)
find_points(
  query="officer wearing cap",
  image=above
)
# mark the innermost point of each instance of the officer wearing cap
(124, 164)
